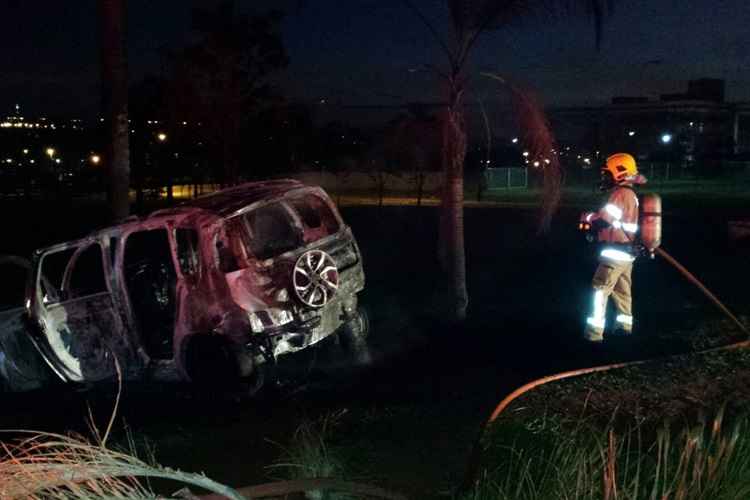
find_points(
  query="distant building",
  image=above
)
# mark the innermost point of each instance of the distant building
(685, 126)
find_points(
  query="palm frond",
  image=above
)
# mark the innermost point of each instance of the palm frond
(471, 18)
(538, 139)
(46, 465)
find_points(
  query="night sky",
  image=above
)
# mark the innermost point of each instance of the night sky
(360, 52)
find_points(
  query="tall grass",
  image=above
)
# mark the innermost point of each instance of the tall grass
(44, 465)
(705, 461)
(309, 454)
(41, 466)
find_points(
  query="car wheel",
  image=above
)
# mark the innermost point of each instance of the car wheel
(353, 337)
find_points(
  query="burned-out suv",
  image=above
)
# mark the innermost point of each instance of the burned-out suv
(218, 287)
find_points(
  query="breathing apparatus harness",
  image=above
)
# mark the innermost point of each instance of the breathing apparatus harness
(647, 216)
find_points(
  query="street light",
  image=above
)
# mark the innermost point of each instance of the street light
(95, 159)
(161, 136)
(666, 138)
(50, 152)
(631, 133)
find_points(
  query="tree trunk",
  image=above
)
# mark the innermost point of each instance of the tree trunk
(480, 184)
(139, 198)
(115, 104)
(170, 189)
(452, 253)
(419, 174)
(381, 188)
(420, 188)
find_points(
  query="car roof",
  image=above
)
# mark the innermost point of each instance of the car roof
(216, 205)
(227, 201)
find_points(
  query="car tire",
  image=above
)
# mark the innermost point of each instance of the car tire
(353, 337)
(252, 384)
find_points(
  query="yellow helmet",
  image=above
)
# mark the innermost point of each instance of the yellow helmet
(621, 166)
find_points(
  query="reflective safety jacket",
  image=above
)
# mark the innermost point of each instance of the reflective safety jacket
(621, 212)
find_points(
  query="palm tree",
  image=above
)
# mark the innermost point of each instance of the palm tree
(115, 103)
(470, 19)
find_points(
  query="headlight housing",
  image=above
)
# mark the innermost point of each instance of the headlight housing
(269, 318)
(256, 324)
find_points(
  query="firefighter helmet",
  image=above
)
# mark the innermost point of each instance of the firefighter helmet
(621, 166)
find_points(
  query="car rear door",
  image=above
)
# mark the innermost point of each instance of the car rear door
(81, 330)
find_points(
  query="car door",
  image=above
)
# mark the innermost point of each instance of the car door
(81, 330)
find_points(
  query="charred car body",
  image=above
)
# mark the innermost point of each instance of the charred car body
(218, 287)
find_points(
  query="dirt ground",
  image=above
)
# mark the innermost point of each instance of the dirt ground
(409, 421)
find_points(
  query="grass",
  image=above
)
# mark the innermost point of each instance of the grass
(676, 196)
(546, 457)
(41, 465)
(704, 461)
(310, 456)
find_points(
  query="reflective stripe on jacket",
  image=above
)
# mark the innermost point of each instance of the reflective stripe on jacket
(621, 212)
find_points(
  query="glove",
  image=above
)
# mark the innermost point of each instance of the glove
(586, 226)
(584, 221)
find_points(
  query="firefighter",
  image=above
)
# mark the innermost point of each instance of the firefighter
(616, 228)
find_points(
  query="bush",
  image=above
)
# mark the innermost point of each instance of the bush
(705, 461)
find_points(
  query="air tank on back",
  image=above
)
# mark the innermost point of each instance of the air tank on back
(650, 223)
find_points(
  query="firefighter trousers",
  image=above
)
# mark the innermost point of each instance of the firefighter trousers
(610, 279)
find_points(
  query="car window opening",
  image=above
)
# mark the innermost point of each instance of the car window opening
(53, 268)
(86, 277)
(317, 217)
(271, 230)
(151, 280)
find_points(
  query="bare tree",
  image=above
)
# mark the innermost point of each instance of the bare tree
(412, 142)
(115, 103)
(469, 20)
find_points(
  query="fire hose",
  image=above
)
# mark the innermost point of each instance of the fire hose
(475, 455)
